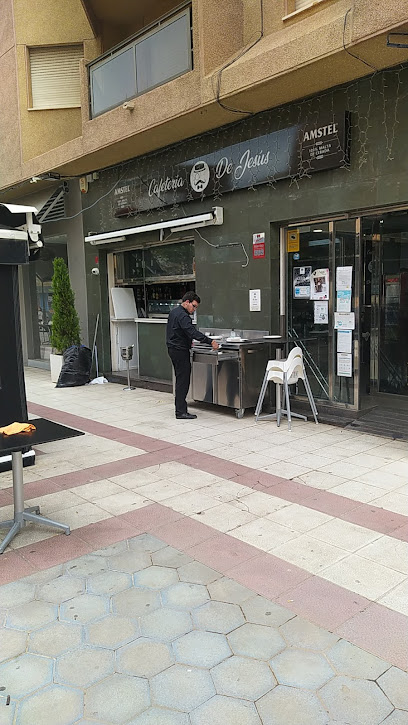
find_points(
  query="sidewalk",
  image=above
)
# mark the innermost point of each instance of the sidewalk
(251, 574)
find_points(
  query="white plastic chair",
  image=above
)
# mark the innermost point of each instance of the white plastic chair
(284, 373)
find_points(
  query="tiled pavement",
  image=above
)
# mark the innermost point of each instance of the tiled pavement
(272, 517)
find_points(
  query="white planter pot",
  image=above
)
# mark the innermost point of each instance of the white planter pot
(55, 367)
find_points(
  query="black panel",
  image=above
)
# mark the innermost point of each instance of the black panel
(13, 406)
(13, 251)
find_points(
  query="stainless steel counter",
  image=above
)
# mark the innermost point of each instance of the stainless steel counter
(231, 376)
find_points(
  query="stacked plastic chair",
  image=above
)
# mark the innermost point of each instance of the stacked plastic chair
(284, 373)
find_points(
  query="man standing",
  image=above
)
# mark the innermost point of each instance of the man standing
(179, 335)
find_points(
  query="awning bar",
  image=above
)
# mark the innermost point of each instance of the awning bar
(214, 217)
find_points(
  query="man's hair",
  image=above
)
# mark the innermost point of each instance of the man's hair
(191, 297)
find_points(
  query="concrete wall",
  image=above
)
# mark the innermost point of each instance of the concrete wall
(9, 112)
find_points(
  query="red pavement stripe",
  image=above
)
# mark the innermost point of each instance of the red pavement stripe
(366, 515)
(369, 625)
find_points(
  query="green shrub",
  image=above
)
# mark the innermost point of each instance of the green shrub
(65, 322)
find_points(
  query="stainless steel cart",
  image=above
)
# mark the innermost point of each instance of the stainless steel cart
(231, 376)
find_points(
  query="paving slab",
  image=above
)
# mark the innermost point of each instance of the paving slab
(177, 645)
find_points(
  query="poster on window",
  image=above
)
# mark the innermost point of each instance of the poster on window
(301, 283)
(344, 365)
(321, 313)
(343, 300)
(319, 284)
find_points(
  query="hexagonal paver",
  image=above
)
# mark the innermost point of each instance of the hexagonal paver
(61, 589)
(55, 639)
(6, 712)
(112, 631)
(285, 705)
(146, 542)
(256, 640)
(398, 717)
(16, 593)
(55, 704)
(117, 699)
(157, 716)
(109, 582)
(130, 561)
(300, 633)
(300, 668)
(259, 610)
(136, 602)
(156, 577)
(226, 711)
(394, 682)
(165, 624)
(144, 658)
(184, 595)
(355, 662)
(84, 608)
(84, 667)
(218, 617)
(25, 673)
(202, 649)
(228, 590)
(198, 573)
(86, 565)
(243, 678)
(12, 643)
(170, 557)
(356, 701)
(181, 688)
(31, 615)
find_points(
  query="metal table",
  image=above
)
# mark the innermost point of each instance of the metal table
(45, 431)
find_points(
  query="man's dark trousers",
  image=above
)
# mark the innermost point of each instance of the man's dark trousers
(182, 368)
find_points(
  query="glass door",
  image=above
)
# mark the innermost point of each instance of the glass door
(323, 305)
(385, 304)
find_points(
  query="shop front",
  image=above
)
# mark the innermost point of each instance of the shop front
(313, 225)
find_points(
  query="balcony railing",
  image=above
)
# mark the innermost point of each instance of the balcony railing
(149, 60)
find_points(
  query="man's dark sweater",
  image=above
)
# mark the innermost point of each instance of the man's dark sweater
(181, 332)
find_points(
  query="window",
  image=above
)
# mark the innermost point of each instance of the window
(147, 61)
(294, 6)
(55, 79)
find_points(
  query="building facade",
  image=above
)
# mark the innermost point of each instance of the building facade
(298, 145)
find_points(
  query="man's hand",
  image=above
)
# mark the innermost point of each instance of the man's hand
(214, 345)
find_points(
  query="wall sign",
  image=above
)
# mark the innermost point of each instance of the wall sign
(294, 151)
(254, 300)
(258, 246)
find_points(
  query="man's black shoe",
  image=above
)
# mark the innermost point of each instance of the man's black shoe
(186, 416)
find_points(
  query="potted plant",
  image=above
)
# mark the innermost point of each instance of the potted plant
(65, 329)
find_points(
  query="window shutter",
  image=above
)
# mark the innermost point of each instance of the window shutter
(300, 4)
(55, 76)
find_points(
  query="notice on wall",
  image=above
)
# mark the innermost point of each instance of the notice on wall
(344, 321)
(343, 278)
(254, 300)
(343, 297)
(301, 283)
(292, 240)
(321, 313)
(344, 341)
(258, 246)
(319, 283)
(344, 365)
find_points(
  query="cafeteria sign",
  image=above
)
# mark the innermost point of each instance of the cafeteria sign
(295, 151)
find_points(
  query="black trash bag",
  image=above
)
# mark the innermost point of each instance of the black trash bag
(76, 367)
